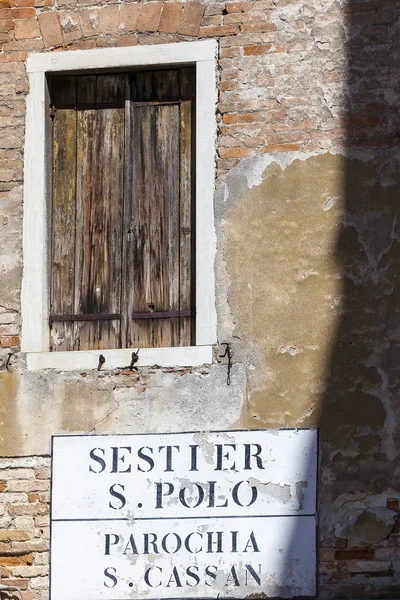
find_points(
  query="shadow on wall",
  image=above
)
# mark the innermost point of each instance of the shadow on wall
(359, 488)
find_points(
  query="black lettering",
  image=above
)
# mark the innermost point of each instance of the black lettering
(211, 574)
(147, 577)
(98, 459)
(148, 459)
(168, 452)
(116, 458)
(234, 541)
(189, 571)
(148, 542)
(109, 543)
(252, 543)
(256, 576)
(174, 577)
(248, 456)
(220, 456)
(108, 574)
(159, 492)
(235, 494)
(211, 497)
(193, 457)
(131, 545)
(177, 546)
(233, 577)
(187, 542)
(200, 498)
(211, 542)
(120, 497)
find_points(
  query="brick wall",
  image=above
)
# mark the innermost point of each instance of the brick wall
(295, 76)
(24, 525)
(284, 68)
(366, 570)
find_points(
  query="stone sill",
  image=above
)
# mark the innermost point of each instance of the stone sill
(189, 356)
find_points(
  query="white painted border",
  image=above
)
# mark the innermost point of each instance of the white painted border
(190, 356)
(35, 284)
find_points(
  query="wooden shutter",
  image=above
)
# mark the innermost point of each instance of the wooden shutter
(88, 187)
(123, 211)
(158, 213)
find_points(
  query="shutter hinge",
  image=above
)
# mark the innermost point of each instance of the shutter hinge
(52, 112)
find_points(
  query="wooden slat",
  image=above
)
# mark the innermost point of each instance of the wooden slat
(111, 88)
(166, 85)
(187, 77)
(86, 89)
(100, 141)
(186, 206)
(63, 226)
(64, 91)
(152, 205)
(142, 86)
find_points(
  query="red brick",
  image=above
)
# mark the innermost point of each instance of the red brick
(392, 504)
(71, 26)
(51, 29)
(6, 25)
(90, 22)
(22, 584)
(171, 17)
(355, 554)
(235, 152)
(23, 13)
(241, 118)
(191, 19)
(109, 19)
(12, 535)
(149, 16)
(128, 16)
(15, 561)
(230, 52)
(255, 49)
(239, 6)
(27, 509)
(280, 148)
(218, 31)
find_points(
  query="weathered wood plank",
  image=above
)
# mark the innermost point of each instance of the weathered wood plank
(64, 91)
(63, 226)
(111, 88)
(166, 85)
(152, 269)
(186, 295)
(187, 77)
(99, 223)
(86, 89)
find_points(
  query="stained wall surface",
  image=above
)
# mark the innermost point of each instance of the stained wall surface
(306, 273)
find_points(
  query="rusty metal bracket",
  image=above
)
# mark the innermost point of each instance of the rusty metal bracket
(102, 360)
(10, 354)
(135, 358)
(228, 353)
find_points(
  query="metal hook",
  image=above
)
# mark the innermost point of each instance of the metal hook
(102, 360)
(135, 358)
(10, 354)
(228, 353)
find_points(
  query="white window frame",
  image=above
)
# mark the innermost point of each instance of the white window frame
(37, 174)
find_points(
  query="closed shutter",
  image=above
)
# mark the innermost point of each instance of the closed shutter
(123, 209)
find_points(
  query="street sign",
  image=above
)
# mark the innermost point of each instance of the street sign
(189, 515)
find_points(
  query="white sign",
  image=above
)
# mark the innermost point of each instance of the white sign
(195, 515)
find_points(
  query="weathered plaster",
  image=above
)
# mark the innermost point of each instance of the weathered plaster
(36, 405)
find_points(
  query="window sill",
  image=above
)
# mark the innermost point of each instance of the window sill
(191, 356)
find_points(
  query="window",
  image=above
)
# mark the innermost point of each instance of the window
(122, 227)
(118, 223)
